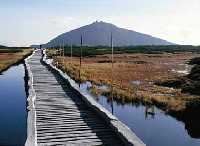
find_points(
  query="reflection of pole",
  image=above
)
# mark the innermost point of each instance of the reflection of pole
(80, 61)
(146, 112)
(149, 110)
(112, 70)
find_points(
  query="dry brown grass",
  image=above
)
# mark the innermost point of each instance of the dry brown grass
(146, 68)
(8, 59)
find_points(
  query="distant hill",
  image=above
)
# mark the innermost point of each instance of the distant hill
(1, 46)
(98, 34)
(35, 46)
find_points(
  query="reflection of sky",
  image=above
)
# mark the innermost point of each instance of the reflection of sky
(12, 107)
(38, 21)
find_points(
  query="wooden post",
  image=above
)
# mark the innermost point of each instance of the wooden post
(71, 52)
(112, 70)
(57, 53)
(59, 48)
(80, 61)
(63, 54)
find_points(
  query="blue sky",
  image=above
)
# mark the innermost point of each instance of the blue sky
(26, 22)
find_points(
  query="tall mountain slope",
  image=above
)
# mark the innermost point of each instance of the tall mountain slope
(99, 33)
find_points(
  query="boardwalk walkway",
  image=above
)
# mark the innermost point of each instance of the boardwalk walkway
(62, 118)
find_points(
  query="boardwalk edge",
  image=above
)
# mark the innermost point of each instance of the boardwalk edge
(31, 119)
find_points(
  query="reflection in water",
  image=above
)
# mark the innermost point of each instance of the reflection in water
(155, 127)
(149, 111)
(152, 125)
(13, 113)
(85, 86)
(191, 119)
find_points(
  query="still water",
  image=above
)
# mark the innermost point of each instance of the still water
(13, 114)
(156, 129)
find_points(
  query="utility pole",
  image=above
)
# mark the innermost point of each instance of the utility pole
(71, 52)
(52, 47)
(60, 49)
(80, 61)
(57, 52)
(63, 52)
(112, 70)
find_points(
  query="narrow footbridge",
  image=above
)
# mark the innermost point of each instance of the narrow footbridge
(59, 114)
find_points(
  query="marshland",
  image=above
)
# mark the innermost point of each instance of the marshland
(12, 55)
(75, 72)
(149, 86)
(144, 83)
(137, 75)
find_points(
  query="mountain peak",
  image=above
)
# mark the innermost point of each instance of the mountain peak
(98, 34)
(103, 23)
(99, 22)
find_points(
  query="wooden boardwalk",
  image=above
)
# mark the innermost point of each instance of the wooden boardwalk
(62, 117)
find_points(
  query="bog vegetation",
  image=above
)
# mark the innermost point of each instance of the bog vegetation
(141, 74)
(100, 50)
(12, 55)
